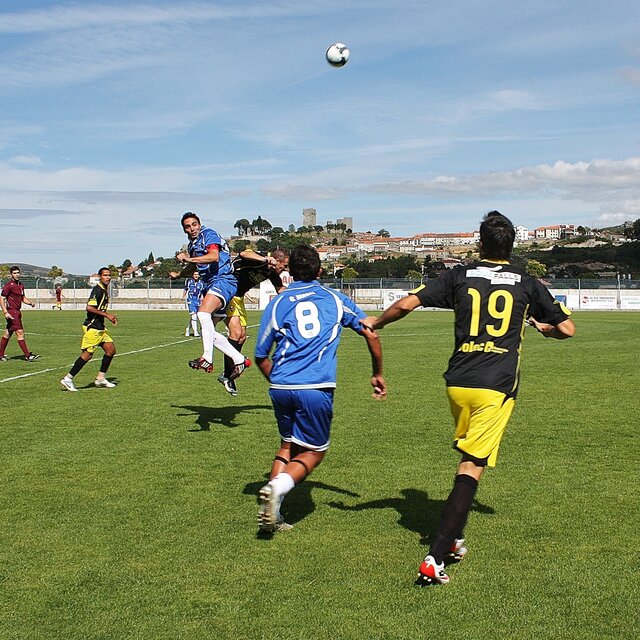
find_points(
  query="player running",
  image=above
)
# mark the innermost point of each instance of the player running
(11, 300)
(492, 300)
(302, 325)
(193, 295)
(250, 269)
(208, 251)
(95, 334)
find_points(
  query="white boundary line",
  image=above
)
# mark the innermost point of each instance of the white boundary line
(127, 353)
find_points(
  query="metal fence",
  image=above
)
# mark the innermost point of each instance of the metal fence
(166, 294)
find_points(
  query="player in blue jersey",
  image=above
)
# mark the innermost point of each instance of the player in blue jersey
(208, 251)
(192, 296)
(302, 326)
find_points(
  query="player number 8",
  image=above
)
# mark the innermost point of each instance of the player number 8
(308, 320)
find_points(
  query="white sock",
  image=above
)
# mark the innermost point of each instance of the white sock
(282, 484)
(222, 342)
(208, 338)
(194, 323)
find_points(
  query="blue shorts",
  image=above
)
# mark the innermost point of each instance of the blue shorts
(304, 416)
(193, 305)
(223, 287)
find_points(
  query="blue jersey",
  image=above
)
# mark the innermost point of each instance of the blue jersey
(198, 247)
(304, 322)
(193, 289)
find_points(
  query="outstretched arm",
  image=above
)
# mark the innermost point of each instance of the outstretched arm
(561, 331)
(375, 349)
(399, 309)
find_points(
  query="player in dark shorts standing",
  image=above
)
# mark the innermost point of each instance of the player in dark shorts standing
(250, 269)
(11, 300)
(58, 292)
(492, 301)
(95, 334)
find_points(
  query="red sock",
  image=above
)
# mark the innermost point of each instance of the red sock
(3, 345)
(23, 346)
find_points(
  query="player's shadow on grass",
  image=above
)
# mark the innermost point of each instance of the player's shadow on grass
(299, 503)
(225, 416)
(417, 511)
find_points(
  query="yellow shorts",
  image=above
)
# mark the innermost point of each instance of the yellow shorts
(93, 338)
(236, 309)
(481, 416)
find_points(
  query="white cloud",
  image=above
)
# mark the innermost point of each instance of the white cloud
(578, 179)
(26, 159)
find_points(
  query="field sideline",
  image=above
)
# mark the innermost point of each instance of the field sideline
(131, 512)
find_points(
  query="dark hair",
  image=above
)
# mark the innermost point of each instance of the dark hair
(304, 263)
(186, 215)
(101, 269)
(496, 236)
(14, 268)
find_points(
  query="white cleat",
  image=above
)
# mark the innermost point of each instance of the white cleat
(104, 383)
(268, 512)
(68, 384)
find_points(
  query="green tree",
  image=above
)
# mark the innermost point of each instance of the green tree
(349, 274)
(636, 229)
(4, 270)
(151, 259)
(383, 233)
(55, 272)
(414, 275)
(162, 270)
(126, 264)
(535, 268)
(238, 246)
(291, 228)
(242, 226)
(263, 245)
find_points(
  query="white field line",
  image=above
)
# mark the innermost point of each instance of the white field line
(118, 355)
(170, 344)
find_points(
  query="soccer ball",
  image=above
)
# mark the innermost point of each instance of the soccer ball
(337, 54)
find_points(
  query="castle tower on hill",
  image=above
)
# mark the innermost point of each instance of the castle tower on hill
(309, 217)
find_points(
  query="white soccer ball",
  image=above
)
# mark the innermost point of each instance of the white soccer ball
(337, 54)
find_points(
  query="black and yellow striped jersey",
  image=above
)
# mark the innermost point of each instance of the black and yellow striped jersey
(98, 298)
(491, 301)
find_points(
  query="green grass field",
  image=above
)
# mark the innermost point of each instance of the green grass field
(131, 512)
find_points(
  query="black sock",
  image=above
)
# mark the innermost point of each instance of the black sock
(454, 515)
(77, 366)
(228, 362)
(106, 361)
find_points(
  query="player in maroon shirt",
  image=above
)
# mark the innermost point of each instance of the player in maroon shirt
(11, 301)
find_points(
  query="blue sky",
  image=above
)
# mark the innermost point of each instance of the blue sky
(116, 117)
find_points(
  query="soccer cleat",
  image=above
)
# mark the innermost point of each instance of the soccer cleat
(3, 358)
(281, 525)
(32, 357)
(457, 551)
(104, 383)
(68, 384)
(186, 334)
(238, 369)
(201, 363)
(229, 385)
(196, 335)
(431, 572)
(268, 512)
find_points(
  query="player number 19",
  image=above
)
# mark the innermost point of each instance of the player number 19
(499, 307)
